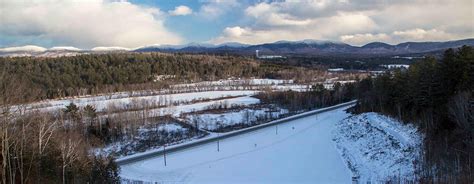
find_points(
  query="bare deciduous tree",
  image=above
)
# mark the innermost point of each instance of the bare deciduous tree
(69, 154)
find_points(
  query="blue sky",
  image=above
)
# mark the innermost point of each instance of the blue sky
(186, 26)
(135, 23)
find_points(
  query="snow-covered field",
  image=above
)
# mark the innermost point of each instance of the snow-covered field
(299, 151)
(237, 82)
(187, 93)
(377, 147)
(210, 121)
(245, 84)
(178, 110)
(123, 100)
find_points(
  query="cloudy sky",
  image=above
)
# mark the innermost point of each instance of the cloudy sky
(134, 23)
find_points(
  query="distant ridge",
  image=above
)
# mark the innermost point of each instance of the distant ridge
(316, 47)
(304, 47)
(374, 45)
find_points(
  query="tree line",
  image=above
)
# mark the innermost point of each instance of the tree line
(316, 97)
(437, 96)
(47, 78)
(46, 148)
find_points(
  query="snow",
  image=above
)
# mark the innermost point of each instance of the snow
(295, 87)
(301, 152)
(169, 127)
(245, 84)
(377, 147)
(178, 110)
(143, 134)
(26, 48)
(212, 121)
(100, 49)
(235, 82)
(64, 48)
(233, 44)
(393, 66)
(123, 100)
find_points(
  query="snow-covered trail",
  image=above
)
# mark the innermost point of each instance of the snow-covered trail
(301, 152)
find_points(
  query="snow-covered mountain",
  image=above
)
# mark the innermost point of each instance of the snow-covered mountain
(307, 41)
(26, 48)
(33, 50)
(303, 47)
(233, 44)
(64, 48)
(108, 49)
(175, 47)
(312, 48)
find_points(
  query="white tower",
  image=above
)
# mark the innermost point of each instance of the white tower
(256, 53)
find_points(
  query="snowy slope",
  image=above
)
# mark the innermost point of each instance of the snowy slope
(103, 49)
(130, 145)
(26, 48)
(301, 152)
(377, 147)
(64, 48)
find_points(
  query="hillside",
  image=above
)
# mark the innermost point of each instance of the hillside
(299, 48)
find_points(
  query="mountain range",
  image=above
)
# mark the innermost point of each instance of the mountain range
(304, 47)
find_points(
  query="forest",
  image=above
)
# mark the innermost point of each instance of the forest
(437, 96)
(316, 97)
(31, 78)
(55, 147)
(346, 62)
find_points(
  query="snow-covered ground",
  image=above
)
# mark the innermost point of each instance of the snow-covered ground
(210, 121)
(207, 90)
(176, 111)
(245, 84)
(299, 151)
(237, 82)
(149, 137)
(377, 147)
(123, 99)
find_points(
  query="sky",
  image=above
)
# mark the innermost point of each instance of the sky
(134, 23)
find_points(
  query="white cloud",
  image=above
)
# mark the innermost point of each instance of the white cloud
(322, 29)
(417, 34)
(235, 31)
(181, 10)
(250, 36)
(212, 9)
(360, 39)
(355, 22)
(85, 23)
(265, 14)
(421, 34)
